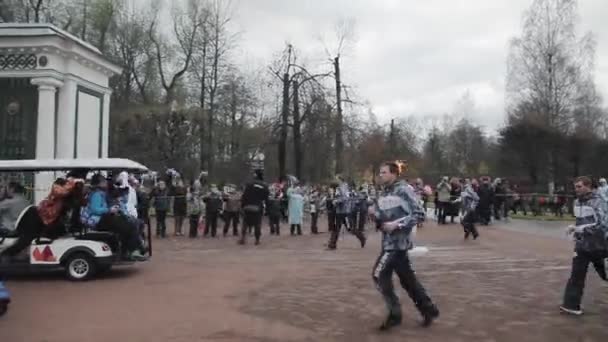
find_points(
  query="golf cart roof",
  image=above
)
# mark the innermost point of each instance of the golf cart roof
(38, 165)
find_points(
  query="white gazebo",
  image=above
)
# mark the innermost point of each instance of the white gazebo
(54, 96)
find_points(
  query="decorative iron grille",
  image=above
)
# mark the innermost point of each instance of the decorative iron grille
(18, 62)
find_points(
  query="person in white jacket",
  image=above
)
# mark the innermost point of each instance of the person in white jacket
(123, 182)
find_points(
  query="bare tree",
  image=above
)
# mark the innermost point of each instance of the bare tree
(186, 27)
(344, 32)
(549, 65)
(22, 10)
(132, 45)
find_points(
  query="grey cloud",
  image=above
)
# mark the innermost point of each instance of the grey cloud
(412, 56)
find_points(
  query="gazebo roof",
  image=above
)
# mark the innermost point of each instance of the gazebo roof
(21, 37)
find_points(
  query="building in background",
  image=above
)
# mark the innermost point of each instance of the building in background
(54, 96)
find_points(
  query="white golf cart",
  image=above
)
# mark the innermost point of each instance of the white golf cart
(82, 253)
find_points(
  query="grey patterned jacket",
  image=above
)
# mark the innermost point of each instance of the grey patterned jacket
(398, 203)
(469, 199)
(591, 234)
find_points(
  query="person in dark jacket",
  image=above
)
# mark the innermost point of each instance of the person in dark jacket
(590, 243)
(454, 208)
(160, 198)
(330, 206)
(486, 198)
(143, 204)
(273, 210)
(180, 206)
(213, 207)
(499, 197)
(254, 197)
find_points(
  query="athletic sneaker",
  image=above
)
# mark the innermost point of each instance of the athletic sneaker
(138, 256)
(574, 312)
(391, 321)
(430, 316)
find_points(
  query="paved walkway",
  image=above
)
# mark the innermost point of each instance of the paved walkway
(506, 286)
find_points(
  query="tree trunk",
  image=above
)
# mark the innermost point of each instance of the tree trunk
(392, 140)
(203, 156)
(339, 119)
(233, 122)
(83, 31)
(128, 86)
(37, 10)
(297, 133)
(212, 92)
(284, 122)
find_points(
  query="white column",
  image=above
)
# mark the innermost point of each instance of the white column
(105, 133)
(45, 136)
(66, 116)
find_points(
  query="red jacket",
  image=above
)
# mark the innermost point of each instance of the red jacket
(51, 207)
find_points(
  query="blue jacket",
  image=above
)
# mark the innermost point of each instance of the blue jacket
(97, 206)
(398, 202)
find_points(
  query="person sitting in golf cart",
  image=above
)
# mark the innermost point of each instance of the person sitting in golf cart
(12, 206)
(123, 195)
(46, 218)
(98, 215)
(65, 194)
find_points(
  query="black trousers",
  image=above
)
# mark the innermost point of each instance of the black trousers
(485, 214)
(335, 233)
(275, 224)
(211, 223)
(234, 218)
(576, 284)
(251, 220)
(352, 220)
(382, 274)
(296, 227)
(29, 228)
(313, 223)
(362, 219)
(121, 226)
(144, 216)
(193, 220)
(161, 223)
(342, 220)
(331, 220)
(441, 214)
(498, 209)
(468, 223)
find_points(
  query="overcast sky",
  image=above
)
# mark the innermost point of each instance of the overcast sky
(410, 56)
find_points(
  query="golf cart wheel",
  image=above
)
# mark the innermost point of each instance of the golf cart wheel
(80, 267)
(3, 307)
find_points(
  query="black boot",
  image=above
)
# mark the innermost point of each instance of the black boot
(391, 321)
(431, 315)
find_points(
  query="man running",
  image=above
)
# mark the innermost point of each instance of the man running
(397, 212)
(590, 243)
(469, 199)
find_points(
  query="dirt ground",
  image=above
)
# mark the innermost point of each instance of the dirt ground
(506, 286)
